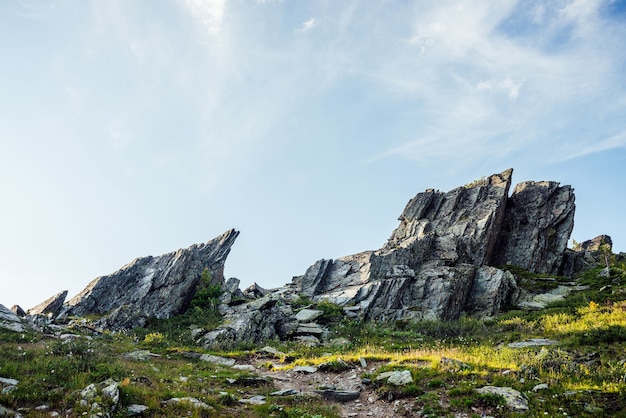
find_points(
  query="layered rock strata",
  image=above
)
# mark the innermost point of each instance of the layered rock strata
(152, 287)
(441, 260)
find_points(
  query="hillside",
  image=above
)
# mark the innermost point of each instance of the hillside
(473, 308)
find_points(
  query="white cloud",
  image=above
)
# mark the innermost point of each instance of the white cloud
(209, 13)
(308, 25)
(582, 150)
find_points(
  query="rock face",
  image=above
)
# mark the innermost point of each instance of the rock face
(441, 260)
(152, 287)
(51, 306)
(9, 320)
(538, 223)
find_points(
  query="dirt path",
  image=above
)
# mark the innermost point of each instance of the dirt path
(367, 405)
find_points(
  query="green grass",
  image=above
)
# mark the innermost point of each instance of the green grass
(585, 373)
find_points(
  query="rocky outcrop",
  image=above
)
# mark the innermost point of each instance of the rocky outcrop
(442, 259)
(152, 287)
(426, 269)
(537, 226)
(9, 320)
(51, 306)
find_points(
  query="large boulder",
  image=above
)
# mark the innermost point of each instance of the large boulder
(537, 226)
(152, 287)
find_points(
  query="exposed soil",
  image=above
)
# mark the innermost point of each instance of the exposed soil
(367, 405)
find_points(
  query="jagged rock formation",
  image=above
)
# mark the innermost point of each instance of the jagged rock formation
(9, 320)
(434, 264)
(51, 306)
(152, 287)
(537, 226)
(440, 262)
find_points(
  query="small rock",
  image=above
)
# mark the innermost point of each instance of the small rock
(514, 399)
(8, 389)
(194, 402)
(362, 362)
(310, 328)
(135, 409)
(383, 376)
(285, 392)
(254, 400)
(10, 382)
(271, 350)
(308, 315)
(305, 369)
(89, 393)
(542, 386)
(112, 392)
(400, 378)
(139, 355)
(338, 395)
(245, 367)
(533, 342)
(222, 361)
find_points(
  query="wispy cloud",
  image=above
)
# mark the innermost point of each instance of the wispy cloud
(307, 25)
(208, 12)
(584, 149)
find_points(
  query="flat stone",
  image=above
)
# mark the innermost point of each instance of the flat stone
(305, 369)
(383, 376)
(285, 392)
(338, 395)
(310, 329)
(8, 382)
(400, 378)
(194, 402)
(244, 367)
(222, 361)
(135, 409)
(254, 400)
(514, 399)
(139, 355)
(541, 386)
(271, 350)
(308, 315)
(533, 342)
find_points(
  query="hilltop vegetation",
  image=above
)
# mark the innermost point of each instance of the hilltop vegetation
(583, 375)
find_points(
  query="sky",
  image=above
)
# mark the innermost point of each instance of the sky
(134, 128)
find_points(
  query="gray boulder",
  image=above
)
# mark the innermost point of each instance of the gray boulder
(515, 400)
(152, 287)
(266, 318)
(10, 321)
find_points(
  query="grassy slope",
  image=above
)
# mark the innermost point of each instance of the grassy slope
(585, 373)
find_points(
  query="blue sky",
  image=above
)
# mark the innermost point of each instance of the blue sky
(133, 128)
